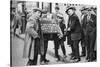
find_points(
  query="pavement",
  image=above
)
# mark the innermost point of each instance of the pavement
(17, 52)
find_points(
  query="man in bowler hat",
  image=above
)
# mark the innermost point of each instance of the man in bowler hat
(75, 32)
(89, 27)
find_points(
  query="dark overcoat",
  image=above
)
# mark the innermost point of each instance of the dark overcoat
(75, 27)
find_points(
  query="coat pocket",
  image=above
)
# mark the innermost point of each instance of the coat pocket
(75, 36)
(32, 32)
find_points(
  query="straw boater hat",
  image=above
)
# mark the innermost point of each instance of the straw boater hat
(38, 9)
(73, 8)
(60, 15)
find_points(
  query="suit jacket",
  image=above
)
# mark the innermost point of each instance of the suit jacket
(63, 26)
(89, 26)
(75, 27)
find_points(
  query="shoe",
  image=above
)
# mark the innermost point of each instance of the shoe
(58, 58)
(42, 63)
(73, 58)
(64, 56)
(87, 58)
(90, 60)
(30, 62)
(70, 54)
(83, 55)
(46, 61)
(77, 60)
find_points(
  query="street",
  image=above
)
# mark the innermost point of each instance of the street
(17, 52)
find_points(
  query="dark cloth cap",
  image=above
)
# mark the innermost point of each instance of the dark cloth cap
(93, 8)
(57, 8)
(83, 9)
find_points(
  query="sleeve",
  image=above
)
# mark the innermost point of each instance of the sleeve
(30, 29)
(84, 21)
(30, 22)
(94, 20)
(64, 26)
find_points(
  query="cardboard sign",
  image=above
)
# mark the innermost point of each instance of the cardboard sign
(49, 26)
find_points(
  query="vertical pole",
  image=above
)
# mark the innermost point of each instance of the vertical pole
(50, 7)
(38, 4)
(42, 5)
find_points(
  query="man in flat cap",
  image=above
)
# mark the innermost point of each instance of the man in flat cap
(89, 27)
(55, 36)
(61, 40)
(83, 14)
(75, 32)
(33, 44)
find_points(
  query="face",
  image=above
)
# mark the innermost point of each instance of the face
(89, 12)
(84, 12)
(70, 12)
(56, 10)
(38, 14)
(59, 19)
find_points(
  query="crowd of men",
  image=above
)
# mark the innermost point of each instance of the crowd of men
(77, 31)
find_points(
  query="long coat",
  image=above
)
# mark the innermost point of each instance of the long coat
(89, 28)
(75, 27)
(17, 21)
(30, 35)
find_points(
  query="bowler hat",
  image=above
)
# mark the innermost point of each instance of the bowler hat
(73, 8)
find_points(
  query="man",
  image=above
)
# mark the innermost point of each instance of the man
(75, 31)
(63, 28)
(17, 22)
(46, 38)
(83, 44)
(33, 38)
(55, 36)
(49, 36)
(54, 15)
(89, 27)
(95, 46)
(12, 18)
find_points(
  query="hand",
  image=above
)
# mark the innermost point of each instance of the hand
(68, 29)
(60, 35)
(36, 36)
(65, 29)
